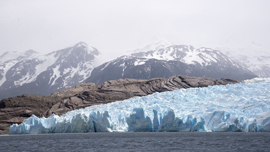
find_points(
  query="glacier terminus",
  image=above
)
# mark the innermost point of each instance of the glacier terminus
(242, 107)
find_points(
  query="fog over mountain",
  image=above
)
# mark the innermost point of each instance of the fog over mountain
(117, 26)
(251, 55)
(37, 40)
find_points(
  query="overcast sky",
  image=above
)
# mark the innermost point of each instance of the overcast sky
(122, 25)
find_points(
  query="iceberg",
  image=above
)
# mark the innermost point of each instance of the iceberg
(242, 107)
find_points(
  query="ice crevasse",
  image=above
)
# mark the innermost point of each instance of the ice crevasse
(241, 107)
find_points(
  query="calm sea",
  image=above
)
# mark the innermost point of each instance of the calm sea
(143, 141)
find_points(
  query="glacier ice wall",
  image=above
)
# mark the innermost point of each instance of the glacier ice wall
(238, 107)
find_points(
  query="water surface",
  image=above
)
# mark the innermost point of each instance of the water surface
(143, 141)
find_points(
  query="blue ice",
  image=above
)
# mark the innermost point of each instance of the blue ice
(242, 107)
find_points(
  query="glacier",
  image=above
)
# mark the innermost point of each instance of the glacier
(242, 107)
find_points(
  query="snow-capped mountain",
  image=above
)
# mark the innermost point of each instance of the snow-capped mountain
(258, 63)
(33, 73)
(249, 54)
(9, 59)
(168, 61)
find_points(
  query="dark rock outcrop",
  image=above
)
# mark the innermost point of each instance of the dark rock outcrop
(16, 109)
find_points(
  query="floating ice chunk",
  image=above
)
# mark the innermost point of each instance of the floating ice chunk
(236, 107)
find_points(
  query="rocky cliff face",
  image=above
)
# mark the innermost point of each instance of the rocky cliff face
(16, 109)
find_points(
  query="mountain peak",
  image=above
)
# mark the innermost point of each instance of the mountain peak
(28, 52)
(85, 46)
(80, 44)
(160, 44)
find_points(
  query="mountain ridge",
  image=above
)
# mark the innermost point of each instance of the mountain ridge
(53, 71)
(169, 61)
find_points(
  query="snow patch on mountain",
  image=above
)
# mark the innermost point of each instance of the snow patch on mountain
(193, 56)
(45, 61)
(55, 76)
(139, 62)
(183, 53)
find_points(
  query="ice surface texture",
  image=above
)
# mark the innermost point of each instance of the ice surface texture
(238, 107)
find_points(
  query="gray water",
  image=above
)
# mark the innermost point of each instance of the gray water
(143, 141)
